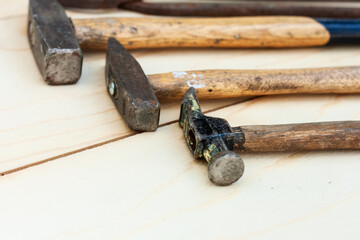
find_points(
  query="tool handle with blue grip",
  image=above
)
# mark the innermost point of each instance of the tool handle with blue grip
(342, 30)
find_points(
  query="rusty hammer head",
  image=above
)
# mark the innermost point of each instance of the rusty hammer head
(130, 89)
(210, 138)
(53, 42)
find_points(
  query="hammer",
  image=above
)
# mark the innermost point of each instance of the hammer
(213, 139)
(55, 40)
(136, 95)
(221, 9)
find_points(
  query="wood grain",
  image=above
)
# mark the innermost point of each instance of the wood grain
(212, 84)
(42, 123)
(149, 185)
(244, 32)
(302, 137)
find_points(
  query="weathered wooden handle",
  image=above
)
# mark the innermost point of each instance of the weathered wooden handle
(212, 84)
(301, 137)
(248, 32)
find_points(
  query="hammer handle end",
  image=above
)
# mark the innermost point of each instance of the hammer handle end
(302, 137)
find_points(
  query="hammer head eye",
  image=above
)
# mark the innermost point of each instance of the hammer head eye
(191, 140)
(190, 114)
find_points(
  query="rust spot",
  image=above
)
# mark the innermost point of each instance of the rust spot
(76, 53)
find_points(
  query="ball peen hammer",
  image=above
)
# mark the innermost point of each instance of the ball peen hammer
(215, 140)
(55, 40)
(135, 95)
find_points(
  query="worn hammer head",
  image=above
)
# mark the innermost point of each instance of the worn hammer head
(53, 42)
(130, 89)
(210, 138)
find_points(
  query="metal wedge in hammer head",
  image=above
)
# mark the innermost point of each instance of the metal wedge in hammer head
(209, 138)
(53, 43)
(130, 89)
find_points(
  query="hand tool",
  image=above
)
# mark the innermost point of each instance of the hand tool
(55, 40)
(249, 8)
(135, 95)
(213, 139)
(221, 9)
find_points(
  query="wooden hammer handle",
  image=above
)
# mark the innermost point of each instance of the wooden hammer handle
(211, 84)
(301, 137)
(249, 32)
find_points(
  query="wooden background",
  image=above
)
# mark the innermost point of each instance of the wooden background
(71, 169)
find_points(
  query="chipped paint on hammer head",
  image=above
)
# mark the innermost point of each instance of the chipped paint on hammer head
(201, 131)
(190, 118)
(189, 105)
(210, 138)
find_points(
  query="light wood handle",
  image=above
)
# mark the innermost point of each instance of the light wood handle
(247, 32)
(212, 84)
(301, 137)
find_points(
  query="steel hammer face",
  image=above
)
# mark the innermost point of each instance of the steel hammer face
(130, 89)
(210, 138)
(53, 43)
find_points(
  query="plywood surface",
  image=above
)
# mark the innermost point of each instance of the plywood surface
(107, 182)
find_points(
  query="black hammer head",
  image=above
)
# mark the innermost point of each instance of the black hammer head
(53, 42)
(212, 139)
(130, 89)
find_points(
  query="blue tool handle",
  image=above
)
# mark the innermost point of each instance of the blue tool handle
(342, 30)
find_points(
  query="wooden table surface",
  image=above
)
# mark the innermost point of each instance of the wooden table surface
(71, 169)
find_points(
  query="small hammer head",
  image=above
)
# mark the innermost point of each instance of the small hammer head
(130, 89)
(53, 42)
(212, 139)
